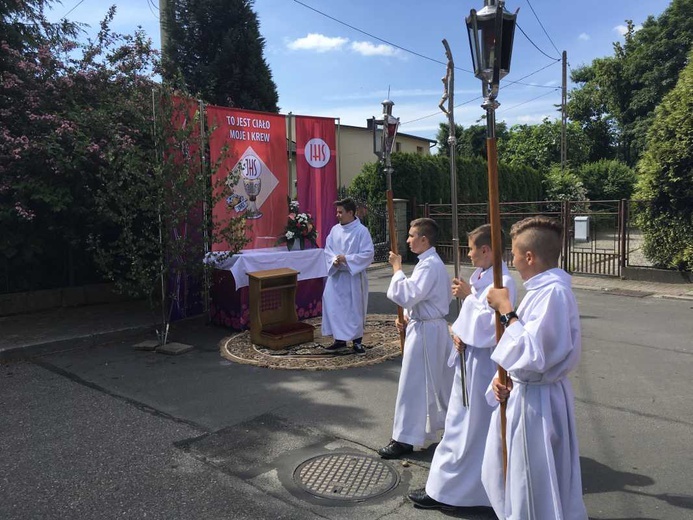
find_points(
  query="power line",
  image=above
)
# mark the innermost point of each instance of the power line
(504, 86)
(75, 7)
(379, 39)
(535, 45)
(438, 113)
(542, 26)
(531, 84)
(530, 100)
(530, 74)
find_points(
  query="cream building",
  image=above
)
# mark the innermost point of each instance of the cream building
(355, 148)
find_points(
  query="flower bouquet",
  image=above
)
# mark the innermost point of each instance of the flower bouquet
(299, 228)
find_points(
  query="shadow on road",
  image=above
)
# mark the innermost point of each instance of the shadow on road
(600, 478)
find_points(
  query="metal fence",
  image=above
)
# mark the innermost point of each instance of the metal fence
(596, 234)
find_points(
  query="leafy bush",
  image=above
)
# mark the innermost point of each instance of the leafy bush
(68, 122)
(666, 178)
(426, 178)
(607, 179)
(563, 186)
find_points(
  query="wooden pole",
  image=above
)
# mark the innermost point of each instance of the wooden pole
(392, 229)
(496, 247)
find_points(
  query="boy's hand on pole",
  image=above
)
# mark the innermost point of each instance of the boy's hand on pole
(395, 261)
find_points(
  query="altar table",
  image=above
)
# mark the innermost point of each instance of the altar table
(229, 290)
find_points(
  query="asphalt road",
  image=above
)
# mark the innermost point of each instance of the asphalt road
(110, 432)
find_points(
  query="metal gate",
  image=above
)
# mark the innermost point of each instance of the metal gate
(594, 231)
(594, 237)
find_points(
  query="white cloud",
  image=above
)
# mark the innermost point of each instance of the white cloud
(584, 37)
(623, 29)
(318, 43)
(368, 49)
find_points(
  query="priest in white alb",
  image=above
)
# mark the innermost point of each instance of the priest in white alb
(348, 253)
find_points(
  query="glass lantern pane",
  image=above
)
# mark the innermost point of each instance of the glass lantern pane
(378, 140)
(488, 47)
(507, 43)
(474, 46)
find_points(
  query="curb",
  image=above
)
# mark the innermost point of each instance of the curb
(21, 352)
(680, 297)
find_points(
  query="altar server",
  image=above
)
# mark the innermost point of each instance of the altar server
(425, 380)
(539, 348)
(455, 476)
(348, 252)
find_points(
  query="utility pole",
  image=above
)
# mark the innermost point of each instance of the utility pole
(163, 29)
(564, 115)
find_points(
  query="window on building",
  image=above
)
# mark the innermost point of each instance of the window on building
(398, 147)
(419, 150)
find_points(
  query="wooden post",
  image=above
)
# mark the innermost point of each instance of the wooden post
(494, 218)
(623, 234)
(392, 229)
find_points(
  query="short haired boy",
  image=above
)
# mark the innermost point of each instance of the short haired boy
(425, 380)
(539, 348)
(455, 476)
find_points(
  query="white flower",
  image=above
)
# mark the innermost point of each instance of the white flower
(289, 235)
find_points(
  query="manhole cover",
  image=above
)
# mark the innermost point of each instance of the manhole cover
(346, 476)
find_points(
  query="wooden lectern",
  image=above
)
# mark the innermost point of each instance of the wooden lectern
(273, 319)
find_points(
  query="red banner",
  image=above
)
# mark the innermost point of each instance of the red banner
(254, 145)
(316, 171)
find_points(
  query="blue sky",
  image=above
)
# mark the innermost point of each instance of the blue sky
(323, 67)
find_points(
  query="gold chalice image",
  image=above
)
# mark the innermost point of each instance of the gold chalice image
(252, 184)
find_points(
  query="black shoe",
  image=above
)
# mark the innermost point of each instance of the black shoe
(421, 500)
(337, 345)
(395, 450)
(359, 349)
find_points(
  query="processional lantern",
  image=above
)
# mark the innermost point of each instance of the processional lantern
(385, 132)
(491, 32)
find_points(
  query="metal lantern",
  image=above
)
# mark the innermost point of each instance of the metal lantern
(385, 132)
(390, 126)
(491, 31)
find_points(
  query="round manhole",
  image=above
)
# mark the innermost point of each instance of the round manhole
(346, 476)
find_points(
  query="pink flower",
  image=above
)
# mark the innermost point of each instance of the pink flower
(24, 213)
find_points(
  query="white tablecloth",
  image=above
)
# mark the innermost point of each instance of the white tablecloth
(310, 263)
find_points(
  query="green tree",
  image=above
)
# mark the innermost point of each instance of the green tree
(563, 186)
(539, 146)
(216, 51)
(625, 88)
(471, 141)
(666, 178)
(607, 179)
(587, 108)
